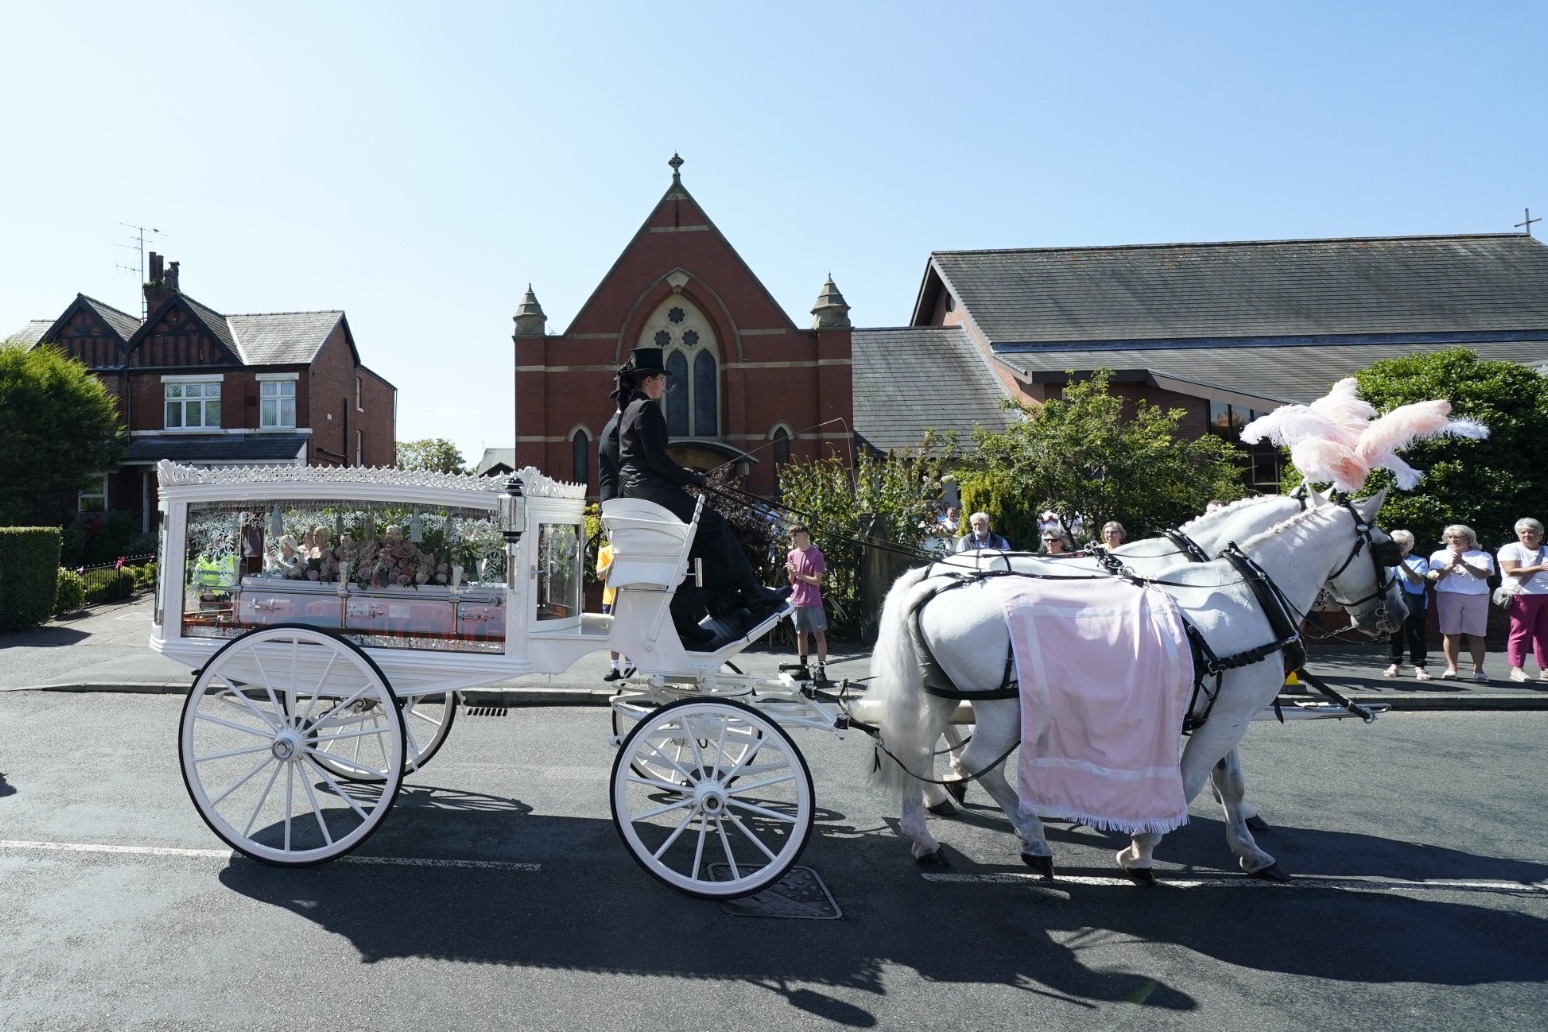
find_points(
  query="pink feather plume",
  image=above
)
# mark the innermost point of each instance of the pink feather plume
(1324, 462)
(1344, 406)
(1291, 424)
(1399, 428)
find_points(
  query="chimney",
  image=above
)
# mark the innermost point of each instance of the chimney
(157, 286)
(172, 277)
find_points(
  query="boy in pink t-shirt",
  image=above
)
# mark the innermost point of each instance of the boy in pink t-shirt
(805, 565)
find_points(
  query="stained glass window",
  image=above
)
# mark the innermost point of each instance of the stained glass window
(676, 396)
(663, 338)
(676, 315)
(705, 423)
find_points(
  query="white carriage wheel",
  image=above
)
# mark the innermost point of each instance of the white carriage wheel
(427, 720)
(736, 811)
(675, 750)
(259, 715)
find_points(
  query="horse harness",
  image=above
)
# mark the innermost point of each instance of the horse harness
(1271, 600)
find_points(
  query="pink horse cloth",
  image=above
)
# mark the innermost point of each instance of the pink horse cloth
(1105, 674)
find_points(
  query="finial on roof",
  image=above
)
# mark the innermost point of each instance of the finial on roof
(677, 164)
(530, 320)
(832, 312)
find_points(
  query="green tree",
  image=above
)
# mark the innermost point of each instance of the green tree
(1486, 484)
(59, 429)
(903, 489)
(432, 454)
(1079, 456)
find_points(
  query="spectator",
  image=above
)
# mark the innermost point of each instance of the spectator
(1413, 572)
(981, 537)
(1214, 505)
(806, 566)
(1057, 544)
(1461, 574)
(1523, 560)
(618, 665)
(948, 521)
(1112, 534)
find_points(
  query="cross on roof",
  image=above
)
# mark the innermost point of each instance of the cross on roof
(677, 163)
(1527, 225)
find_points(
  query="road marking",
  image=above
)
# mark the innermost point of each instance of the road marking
(226, 854)
(1299, 881)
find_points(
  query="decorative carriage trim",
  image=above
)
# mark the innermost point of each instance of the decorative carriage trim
(534, 483)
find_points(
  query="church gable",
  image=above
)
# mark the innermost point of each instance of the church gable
(678, 235)
(184, 333)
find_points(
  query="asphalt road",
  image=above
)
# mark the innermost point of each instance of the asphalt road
(502, 899)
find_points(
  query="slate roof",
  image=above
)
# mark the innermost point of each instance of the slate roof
(282, 338)
(122, 323)
(225, 448)
(494, 459)
(30, 334)
(1276, 375)
(912, 378)
(1249, 289)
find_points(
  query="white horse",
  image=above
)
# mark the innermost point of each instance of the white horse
(1200, 539)
(1337, 545)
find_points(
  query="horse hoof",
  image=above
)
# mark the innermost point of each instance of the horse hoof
(936, 859)
(1273, 873)
(1041, 865)
(1256, 823)
(1140, 875)
(957, 790)
(943, 808)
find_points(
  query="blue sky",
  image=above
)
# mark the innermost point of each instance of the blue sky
(417, 165)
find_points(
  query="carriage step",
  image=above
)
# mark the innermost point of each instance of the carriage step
(799, 894)
(485, 711)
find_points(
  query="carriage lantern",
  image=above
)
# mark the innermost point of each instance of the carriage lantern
(513, 512)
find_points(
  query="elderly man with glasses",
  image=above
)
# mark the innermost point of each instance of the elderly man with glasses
(980, 536)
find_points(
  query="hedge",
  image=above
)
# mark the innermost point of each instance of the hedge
(29, 564)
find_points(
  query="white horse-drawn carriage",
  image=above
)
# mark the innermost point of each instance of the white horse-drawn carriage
(332, 615)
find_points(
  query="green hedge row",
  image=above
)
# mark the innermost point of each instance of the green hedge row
(29, 564)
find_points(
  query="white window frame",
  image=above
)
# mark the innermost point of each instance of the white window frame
(183, 383)
(101, 494)
(276, 381)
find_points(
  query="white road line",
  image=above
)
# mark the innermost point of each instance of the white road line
(1300, 881)
(226, 854)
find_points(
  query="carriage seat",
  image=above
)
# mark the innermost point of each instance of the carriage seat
(650, 545)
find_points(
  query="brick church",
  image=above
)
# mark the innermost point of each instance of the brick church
(748, 386)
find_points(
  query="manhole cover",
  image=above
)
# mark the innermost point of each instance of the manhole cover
(799, 894)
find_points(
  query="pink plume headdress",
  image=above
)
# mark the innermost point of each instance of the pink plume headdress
(1335, 440)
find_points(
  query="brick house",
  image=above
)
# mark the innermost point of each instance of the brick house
(206, 389)
(749, 386)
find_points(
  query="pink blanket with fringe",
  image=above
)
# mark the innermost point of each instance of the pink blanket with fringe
(1105, 674)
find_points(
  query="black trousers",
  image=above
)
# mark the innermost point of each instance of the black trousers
(1412, 630)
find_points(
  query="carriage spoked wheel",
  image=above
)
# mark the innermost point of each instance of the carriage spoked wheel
(712, 798)
(676, 751)
(427, 720)
(262, 715)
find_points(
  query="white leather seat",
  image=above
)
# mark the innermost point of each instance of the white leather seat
(650, 545)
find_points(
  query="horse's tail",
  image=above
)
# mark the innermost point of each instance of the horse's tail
(897, 685)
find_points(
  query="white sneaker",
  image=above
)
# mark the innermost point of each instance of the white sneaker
(1391, 671)
(1421, 674)
(1517, 674)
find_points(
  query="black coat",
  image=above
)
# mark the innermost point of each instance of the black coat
(607, 460)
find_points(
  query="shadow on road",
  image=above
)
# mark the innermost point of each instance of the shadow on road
(589, 909)
(6, 788)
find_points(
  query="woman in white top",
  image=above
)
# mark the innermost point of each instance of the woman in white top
(1461, 574)
(1524, 559)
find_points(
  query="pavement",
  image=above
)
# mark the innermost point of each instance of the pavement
(106, 649)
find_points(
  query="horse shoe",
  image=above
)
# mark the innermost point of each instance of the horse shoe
(936, 859)
(1271, 873)
(1041, 865)
(1256, 823)
(956, 789)
(943, 808)
(1141, 876)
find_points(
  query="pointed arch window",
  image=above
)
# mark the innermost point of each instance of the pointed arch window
(580, 456)
(692, 357)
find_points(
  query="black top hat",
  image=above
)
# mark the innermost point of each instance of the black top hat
(645, 362)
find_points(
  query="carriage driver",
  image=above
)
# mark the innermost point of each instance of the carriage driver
(645, 471)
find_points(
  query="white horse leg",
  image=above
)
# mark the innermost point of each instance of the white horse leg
(1206, 750)
(998, 730)
(911, 821)
(956, 770)
(1136, 858)
(1233, 768)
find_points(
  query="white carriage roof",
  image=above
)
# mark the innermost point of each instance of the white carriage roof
(534, 483)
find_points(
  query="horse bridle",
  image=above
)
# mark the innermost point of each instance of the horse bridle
(1384, 556)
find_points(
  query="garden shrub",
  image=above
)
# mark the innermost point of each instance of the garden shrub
(69, 592)
(28, 558)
